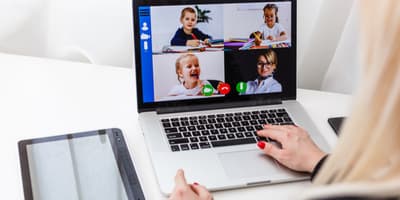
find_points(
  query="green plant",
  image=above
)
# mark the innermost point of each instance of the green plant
(202, 15)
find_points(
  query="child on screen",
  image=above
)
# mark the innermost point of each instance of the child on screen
(189, 35)
(271, 29)
(187, 68)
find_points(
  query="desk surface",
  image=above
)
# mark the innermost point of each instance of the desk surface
(43, 97)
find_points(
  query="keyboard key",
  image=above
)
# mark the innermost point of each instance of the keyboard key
(191, 128)
(220, 120)
(249, 134)
(212, 121)
(196, 133)
(184, 123)
(200, 127)
(239, 135)
(204, 145)
(175, 124)
(223, 131)
(203, 121)
(193, 118)
(232, 130)
(179, 141)
(233, 142)
(250, 128)
(182, 129)
(164, 120)
(218, 125)
(227, 125)
(214, 132)
(184, 147)
(236, 124)
(174, 119)
(167, 125)
(245, 123)
(194, 146)
(187, 134)
(203, 138)
(209, 126)
(205, 132)
(212, 137)
(171, 130)
(194, 139)
(174, 136)
(175, 148)
(230, 136)
(241, 129)
(222, 137)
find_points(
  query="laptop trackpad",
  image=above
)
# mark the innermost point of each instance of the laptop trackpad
(247, 164)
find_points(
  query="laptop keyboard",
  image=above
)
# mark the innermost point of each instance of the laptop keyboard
(220, 130)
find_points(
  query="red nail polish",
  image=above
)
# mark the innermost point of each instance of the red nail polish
(261, 145)
(195, 183)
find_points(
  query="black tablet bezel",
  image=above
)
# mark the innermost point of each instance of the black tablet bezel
(121, 154)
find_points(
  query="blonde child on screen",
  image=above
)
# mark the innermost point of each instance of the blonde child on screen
(187, 68)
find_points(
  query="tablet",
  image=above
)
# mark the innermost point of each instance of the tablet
(87, 165)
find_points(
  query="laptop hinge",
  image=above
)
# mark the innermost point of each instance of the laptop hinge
(214, 106)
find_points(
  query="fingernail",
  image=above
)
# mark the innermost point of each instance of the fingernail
(261, 145)
(195, 183)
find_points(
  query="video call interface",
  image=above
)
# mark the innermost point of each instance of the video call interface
(215, 50)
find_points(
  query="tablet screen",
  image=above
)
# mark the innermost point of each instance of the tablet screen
(76, 166)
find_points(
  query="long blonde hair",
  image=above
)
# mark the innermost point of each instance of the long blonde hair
(368, 149)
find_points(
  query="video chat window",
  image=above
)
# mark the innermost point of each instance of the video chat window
(190, 45)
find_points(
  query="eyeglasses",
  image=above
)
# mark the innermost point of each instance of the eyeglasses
(264, 65)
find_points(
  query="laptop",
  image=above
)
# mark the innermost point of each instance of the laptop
(209, 75)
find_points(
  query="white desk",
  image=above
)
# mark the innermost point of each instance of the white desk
(42, 97)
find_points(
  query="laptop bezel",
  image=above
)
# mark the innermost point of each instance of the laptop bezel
(288, 94)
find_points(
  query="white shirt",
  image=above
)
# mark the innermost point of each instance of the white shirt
(274, 31)
(269, 85)
(181, 90)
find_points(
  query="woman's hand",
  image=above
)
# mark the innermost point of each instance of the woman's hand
(184, 191)
(298, 151)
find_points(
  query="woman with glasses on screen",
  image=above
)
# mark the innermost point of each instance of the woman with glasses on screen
(265, 82)
(365, 163)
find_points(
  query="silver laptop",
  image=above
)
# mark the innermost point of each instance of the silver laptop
(209, 75)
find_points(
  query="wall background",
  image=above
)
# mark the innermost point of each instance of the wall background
(100, 32)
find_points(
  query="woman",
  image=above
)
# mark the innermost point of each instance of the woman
(366, 160)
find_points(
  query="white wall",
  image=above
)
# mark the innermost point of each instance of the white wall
(320, 31)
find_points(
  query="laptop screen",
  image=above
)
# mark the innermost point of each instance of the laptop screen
(194, 52)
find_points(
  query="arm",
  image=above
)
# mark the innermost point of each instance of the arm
(179, 38)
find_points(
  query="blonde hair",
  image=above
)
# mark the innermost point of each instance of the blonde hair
(178, 64)
(368, 149)
(270, 56)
